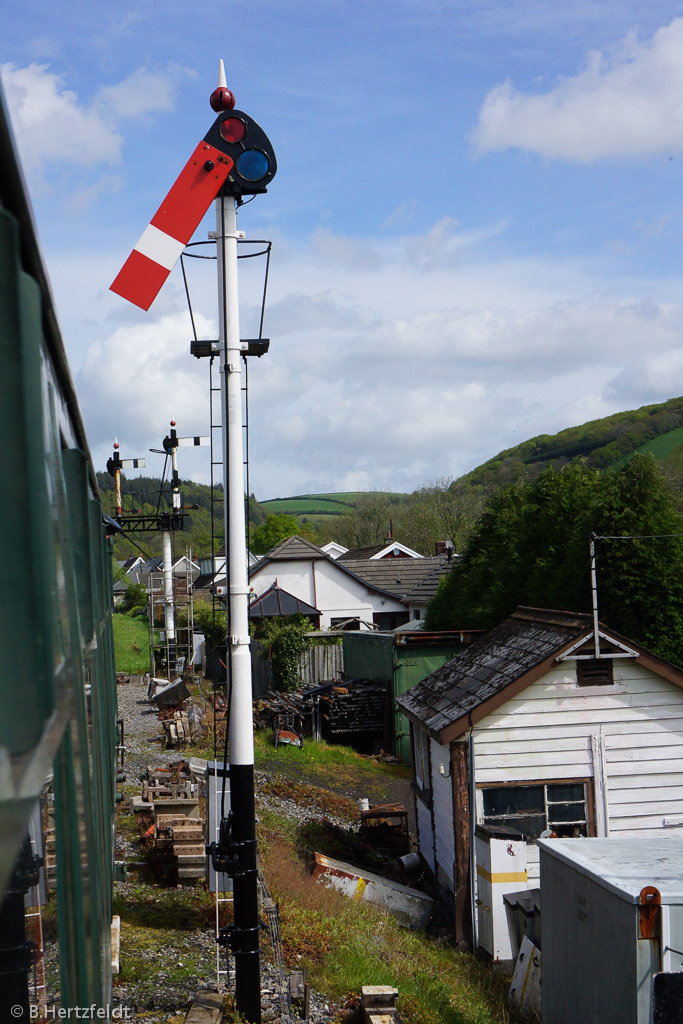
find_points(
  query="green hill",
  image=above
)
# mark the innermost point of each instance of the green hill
(605, 442)
(142, 494)
(318, 508)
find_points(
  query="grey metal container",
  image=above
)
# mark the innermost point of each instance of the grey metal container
(603, 940)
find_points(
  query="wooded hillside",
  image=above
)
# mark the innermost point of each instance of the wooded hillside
(602, 443)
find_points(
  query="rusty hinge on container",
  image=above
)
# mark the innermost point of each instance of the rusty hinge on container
(650, 900)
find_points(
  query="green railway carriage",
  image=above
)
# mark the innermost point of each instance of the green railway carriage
(57, 684)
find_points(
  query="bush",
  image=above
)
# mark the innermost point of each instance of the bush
(134, 599)
(285, 640)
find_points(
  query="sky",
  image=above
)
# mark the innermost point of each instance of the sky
(476, 223)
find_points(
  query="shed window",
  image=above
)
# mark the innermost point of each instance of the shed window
(594, 672)
(421, 744)
(560, 806)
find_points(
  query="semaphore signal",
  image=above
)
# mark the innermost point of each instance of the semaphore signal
(235, 159)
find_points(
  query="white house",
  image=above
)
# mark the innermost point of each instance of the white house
(333, 549)
(534, 728)
(309, 574)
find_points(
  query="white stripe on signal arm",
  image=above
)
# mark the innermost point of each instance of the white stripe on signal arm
(156, 245)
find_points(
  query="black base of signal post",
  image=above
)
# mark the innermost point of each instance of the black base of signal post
(245, 935)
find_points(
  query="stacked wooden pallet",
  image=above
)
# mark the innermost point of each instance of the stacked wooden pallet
(354, 707)
(50, 858)
(183, 838)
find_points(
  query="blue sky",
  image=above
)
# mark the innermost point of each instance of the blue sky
(476, 221)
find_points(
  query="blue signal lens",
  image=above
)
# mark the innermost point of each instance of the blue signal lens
(253, 164)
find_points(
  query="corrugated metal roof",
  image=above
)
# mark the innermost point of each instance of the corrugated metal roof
(483, 670)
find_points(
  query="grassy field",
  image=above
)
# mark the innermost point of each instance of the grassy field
(131, 644)
(318, 504)
(660, 446)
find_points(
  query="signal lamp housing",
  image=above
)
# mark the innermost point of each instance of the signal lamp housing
(239, 137)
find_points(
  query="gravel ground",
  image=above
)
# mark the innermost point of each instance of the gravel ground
(179, 962)
(158, 1000)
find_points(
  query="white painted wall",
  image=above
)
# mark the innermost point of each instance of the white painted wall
(324, 585)
(424, 830)
(442, 806)
(546, 733)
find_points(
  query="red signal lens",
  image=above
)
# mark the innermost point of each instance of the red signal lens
(233, 129)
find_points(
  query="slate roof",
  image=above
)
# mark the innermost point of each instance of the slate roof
(397, 576)
(298, 549)
(487, 667)
(366, 552)
(204, 580)
(424, 591)
(291, 549)
(276, 601)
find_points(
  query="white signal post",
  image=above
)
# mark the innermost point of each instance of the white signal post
(171, 445)
(241, 728)
(241, 732)
(234, 159)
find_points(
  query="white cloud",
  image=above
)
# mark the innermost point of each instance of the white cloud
(143, 92)
(56, 130)
(135, 381)
(625, 104)
(392, 378)
(52, 124)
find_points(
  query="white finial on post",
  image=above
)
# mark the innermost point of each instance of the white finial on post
(222, 81)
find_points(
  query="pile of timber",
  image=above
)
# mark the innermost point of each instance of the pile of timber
(355, 706)
(173, 793)
(173, 782)
(378, 1005)
(272, 706)
(182, 725)
(183, 838)
(50, 857)
(284, 713)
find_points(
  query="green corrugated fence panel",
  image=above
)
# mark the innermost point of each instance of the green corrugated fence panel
(27, 557)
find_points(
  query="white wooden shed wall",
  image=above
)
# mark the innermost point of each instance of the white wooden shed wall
(424, 832)
(553, 730)
(442, 806)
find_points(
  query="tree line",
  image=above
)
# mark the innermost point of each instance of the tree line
(531, 547)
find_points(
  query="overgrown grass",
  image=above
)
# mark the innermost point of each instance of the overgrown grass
(327, 764)
(131, 632)
(347, 944)
(149, 906)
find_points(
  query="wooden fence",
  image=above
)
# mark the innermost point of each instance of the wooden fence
(319, 663)
(322, 662)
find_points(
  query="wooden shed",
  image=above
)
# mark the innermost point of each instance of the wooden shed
(528, 729)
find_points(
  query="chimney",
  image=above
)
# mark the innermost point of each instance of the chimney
(440, 547)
